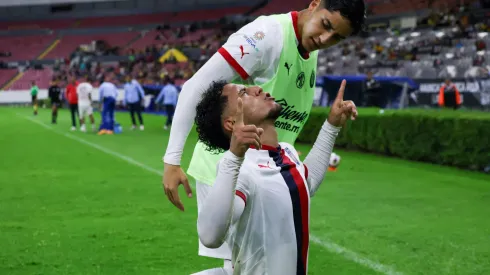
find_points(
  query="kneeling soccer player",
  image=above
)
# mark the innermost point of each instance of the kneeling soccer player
(260, 200)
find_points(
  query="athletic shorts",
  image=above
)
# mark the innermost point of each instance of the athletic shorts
(85, 110)
(33, 98)
(56, 102)
(222, 252)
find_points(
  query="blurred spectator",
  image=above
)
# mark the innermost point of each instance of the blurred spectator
(373, 92)
(168, 95)
(449, 95)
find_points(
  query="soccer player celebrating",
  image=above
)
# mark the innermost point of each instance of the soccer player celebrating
(262, 189)
(278, 53)
(84, 92)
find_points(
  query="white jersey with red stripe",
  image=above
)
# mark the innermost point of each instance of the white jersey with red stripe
(272, 235)
(255, 49)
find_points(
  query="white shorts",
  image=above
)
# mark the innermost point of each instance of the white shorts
(85, 110)
(222, 252)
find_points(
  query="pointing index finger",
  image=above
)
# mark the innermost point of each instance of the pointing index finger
(340, 94)
(239, 112)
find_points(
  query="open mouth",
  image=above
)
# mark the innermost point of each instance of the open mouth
(268, 97)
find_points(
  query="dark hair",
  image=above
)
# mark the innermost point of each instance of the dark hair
(209, 118)
(353, 10)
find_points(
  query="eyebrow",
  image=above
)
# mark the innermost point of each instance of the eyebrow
(331, 26)
(242, 90)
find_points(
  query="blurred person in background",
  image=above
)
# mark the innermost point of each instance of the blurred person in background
(34, 92)
(107, 98)
(134, 96)
(169, 94)
(449, 96)
(72, 97)
(84, 92)
(278, 53)
(54, 94)
(373, 91)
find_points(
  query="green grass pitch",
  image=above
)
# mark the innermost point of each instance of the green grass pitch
(78, 203)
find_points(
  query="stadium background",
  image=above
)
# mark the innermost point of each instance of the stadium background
(74, 203)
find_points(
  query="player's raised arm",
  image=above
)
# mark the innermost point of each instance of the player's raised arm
(238, 58)
(319, 157)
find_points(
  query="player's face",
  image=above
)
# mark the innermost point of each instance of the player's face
(323, 28)
(257, 104)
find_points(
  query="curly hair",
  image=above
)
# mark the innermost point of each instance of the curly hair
(353, 10)
(209, 118)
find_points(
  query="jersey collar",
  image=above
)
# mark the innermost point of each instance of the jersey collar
(268, 148)
(294, 17)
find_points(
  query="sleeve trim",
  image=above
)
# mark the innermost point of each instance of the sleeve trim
(306, 171)
(233, 63)
(242, 196)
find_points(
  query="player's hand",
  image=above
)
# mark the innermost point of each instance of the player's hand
(173, 176)
(342, 110)
(244, 135)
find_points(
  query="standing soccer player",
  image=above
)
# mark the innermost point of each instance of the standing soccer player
(262, 188)
(169, 94)
(108, 96)
(54, 93)
(134, 96)
(72, 97)
(278, 53)
(34, 92)
(84, 92)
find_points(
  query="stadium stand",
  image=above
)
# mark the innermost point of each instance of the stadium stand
(445, 43)
(7, 75)
(39, 24)
(24, 47)
(69, 43)
(42, 78)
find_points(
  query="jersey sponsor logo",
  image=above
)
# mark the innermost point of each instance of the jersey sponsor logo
(312, 79)
(291, 155)
(300, 80)
(259, 35)
(265, 166)
(242, 51)
(288, 112)
(293, 118)
(251, 42)
(288, 66)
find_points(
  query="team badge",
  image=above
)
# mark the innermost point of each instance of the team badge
(300, 80)
(259, 35)
(312, 79)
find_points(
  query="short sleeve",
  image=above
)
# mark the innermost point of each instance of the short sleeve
(247, 49)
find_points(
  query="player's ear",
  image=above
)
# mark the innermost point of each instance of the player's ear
(228, 124)
(315, 4)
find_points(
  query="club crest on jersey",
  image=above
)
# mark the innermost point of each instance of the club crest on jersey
(259, 35)
(293, 157)
(312, 79)
(300, 80)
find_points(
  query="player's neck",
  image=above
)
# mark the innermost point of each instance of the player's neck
(301, 22)
(269, 137)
